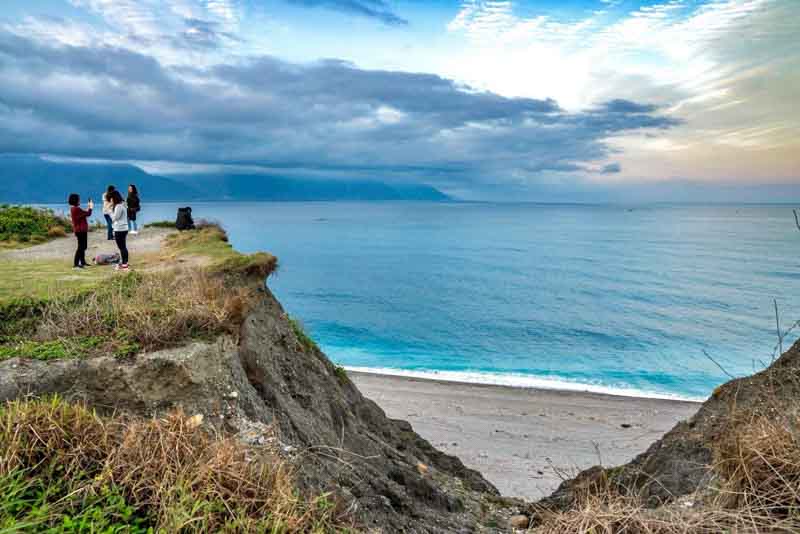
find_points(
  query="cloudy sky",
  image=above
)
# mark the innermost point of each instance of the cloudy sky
(484, 99)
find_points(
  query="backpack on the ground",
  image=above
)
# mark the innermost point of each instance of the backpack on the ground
(184, 220)
(106, 259)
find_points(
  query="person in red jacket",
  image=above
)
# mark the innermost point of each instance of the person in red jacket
(80, 225)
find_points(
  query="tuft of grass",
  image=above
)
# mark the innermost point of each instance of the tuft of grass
(22, 225)
(75, 347)
(56, 231)
(308, 344)
(258, 265)
(19, 315)
(65, 469)
(341, 373)
(758, 463)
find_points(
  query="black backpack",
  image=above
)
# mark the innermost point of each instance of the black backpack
(184, 220)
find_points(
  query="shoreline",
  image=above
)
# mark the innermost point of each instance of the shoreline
(519, 381)
(524, 440)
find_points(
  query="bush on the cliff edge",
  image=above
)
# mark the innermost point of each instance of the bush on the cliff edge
(63, 468)
(22, 225)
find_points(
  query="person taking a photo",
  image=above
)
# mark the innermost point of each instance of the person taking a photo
(80, 227)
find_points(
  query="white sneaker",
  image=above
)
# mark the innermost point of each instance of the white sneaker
(134, 232)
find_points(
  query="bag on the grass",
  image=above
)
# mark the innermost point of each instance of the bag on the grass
(106, 259)
(184, 220)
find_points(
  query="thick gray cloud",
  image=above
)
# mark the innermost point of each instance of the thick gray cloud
(102, 102)
(376, 9)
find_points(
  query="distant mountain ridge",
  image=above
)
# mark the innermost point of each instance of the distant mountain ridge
(32, 179)
(261, 187)
(29, 179)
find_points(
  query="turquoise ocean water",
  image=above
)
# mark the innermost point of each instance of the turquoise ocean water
(619, 299)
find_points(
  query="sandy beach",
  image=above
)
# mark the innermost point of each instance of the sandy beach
(525, 440)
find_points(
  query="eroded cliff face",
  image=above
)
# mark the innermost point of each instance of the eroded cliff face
(269, 385)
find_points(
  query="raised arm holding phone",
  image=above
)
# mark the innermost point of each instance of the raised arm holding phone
(80, 226)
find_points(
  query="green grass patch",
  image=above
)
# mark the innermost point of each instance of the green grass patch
(75, 347)
(23, 226)
(210, 241)
(307, 343)
(46, 279)
(35, 504)
(341, 372)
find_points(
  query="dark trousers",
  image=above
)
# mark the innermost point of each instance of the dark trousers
(108, 226)
(122, 244)
(83, 244)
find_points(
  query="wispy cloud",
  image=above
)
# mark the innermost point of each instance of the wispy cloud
(166, 29)
(376, 9)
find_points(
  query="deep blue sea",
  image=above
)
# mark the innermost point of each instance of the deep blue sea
(620, 299)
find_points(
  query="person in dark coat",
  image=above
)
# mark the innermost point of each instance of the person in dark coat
(134, 206)
(80, 226)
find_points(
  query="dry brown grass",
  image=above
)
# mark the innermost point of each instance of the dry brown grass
(622, 515)
(755, 488)
(171, 471)
(148, 312)
(56, 231)
(759, 465)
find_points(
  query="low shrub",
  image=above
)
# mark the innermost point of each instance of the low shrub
(341, 373)
(22, 224)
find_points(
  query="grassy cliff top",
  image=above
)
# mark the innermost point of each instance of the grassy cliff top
(185, 285)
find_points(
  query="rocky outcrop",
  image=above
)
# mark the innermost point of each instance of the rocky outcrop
(680, 462)
(266, 385)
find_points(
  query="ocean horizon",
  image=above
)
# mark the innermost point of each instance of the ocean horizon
(605, 298)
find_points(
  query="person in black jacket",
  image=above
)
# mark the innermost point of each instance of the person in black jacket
(134, 206)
